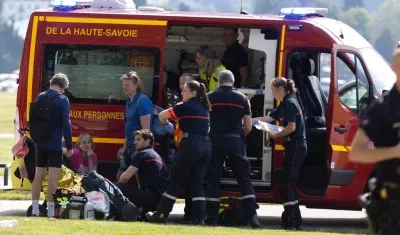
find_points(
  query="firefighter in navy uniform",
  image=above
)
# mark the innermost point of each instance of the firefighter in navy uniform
(229, 108)
(187, 217)
(295, 148)
(377, 141)
(193, 154)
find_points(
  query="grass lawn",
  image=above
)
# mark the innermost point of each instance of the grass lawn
(41, 226)
(7, 115)
(17, 195)
(5, 151)
(7, 111)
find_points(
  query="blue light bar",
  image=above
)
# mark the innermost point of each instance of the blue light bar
(298, 13)
(69, 5)
(303, 11)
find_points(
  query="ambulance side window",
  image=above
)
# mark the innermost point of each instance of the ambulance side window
(94, 71)
(353, 85)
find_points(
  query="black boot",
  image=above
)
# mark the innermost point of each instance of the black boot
(185, 220)
(284, 219)
(289, 228)
(254, 222)
(288, 219)
(298, 218)
(199, 222)
(156, 217)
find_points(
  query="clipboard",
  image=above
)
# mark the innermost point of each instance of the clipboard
(267, 127)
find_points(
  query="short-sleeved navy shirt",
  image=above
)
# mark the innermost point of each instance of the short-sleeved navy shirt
(193, 117)
(381, 123)
(234, 58)
(153, 172)
(289, 111)
(228, 108)
(140, 105)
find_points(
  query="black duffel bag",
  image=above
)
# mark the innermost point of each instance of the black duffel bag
(120, 206)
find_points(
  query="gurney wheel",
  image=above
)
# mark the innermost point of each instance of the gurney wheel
(42, 209)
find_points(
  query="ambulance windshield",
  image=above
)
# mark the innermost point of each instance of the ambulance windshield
(379, 70)
(94, 71)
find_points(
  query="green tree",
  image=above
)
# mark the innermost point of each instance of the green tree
(353, 3)
(359, 19)
(385, 44)
(334, 10)
(386, 18)
(10, 48)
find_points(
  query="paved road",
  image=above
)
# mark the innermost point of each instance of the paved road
(2, 185)
(314, 220)
(6, 135)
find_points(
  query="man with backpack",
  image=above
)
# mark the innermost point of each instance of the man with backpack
(49, 121)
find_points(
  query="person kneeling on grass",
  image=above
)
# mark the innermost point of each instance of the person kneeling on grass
(152, 174)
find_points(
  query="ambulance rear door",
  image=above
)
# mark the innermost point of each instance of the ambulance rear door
(94, 52)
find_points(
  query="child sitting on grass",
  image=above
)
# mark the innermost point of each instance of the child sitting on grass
(84, 159)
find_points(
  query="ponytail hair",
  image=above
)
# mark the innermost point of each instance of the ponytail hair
(201, 90)
(287, 84)
(203, 96)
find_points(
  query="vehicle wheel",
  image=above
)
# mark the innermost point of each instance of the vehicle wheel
(42, 211)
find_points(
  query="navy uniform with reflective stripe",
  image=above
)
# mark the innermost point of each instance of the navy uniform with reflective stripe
(191, 158)
(295, 152)
(227, 138)
(381, 123)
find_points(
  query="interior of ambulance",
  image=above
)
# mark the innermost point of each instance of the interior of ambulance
(180, 53)
(94, 73)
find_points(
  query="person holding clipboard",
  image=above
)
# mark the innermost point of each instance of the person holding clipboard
(293, 134)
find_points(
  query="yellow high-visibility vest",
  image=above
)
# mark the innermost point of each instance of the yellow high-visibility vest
(211, 82)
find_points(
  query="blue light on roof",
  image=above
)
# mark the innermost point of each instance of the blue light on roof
(300, 12)
(68, 5)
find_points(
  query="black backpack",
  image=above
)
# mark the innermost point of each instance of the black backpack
(40, 117)
(231, 212)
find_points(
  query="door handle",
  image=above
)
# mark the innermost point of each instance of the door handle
(340, 129)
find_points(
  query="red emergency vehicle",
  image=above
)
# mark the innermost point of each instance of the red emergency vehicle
(94, 42)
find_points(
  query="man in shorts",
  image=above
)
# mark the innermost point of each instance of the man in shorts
(49, 154)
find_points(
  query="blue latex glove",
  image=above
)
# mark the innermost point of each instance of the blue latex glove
(169, 127)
